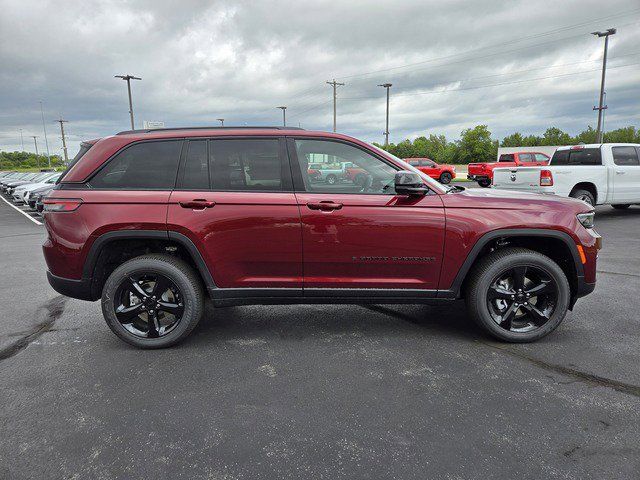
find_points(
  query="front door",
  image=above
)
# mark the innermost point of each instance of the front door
(364, 236)
(626, 174)
(234, 200)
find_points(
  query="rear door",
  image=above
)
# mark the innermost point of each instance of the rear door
(365, 236)
(234, 199)
(626, 177)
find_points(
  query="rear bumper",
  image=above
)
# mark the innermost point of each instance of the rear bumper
(475, 178)
(80, 289)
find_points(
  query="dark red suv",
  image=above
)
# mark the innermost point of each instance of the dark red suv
(151, 221)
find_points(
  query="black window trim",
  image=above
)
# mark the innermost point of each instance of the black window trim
(296, 173)
(87, 182)
(285, 170)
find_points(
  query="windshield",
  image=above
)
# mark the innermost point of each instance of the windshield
(430, 182)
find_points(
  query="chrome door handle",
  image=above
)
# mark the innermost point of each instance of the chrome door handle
(620, 172)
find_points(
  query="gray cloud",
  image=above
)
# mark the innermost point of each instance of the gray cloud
(514, 65)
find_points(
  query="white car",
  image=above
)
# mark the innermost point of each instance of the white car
(21, 193)
(599, 174)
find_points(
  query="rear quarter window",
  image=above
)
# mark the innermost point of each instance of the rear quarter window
(144, 166)
(507, 157)
(582, 156)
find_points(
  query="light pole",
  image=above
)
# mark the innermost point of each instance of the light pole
(284, 115)
(386, 132)
(35, 142)
(334, 84)
(46, 142)
(601, 107)
(221, 120)
(21, 140)
(64, 141)
(128, 79)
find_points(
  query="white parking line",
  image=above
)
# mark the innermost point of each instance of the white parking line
(21, 211)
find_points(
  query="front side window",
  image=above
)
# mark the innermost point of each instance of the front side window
(541, 158)
(145, 166)
(625, 156)
(245, 164)
(353, 169)
(427, 163)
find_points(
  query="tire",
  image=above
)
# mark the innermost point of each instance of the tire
(331, 179)
(484, 183)
(621, 206)
(359, 180)
(445, 178)
(584, 195)
(183, 285)
(553, 305)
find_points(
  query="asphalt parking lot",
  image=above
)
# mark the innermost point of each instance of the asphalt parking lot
(319, 391)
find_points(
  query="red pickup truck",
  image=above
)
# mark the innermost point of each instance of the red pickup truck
(483, 172)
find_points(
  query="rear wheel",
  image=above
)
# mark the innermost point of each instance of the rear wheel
(152, 301)
(484, 182)
(445, 178)
(518, 295)
(332, 179)
(584, 195)
(621, 206)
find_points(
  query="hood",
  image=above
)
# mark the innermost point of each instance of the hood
(512, 200)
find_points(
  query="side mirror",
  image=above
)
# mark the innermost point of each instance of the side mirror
(409, 183)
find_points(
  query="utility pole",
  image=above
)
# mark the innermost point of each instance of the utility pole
(386, 132)
(221, 120)
(603, 113)
(334, 84)
(128, 79)
(46, 142)
(21, 140)
(35, 141)
(601, 107)
(64, 142)
(284, 115)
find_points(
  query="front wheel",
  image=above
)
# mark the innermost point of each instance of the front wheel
(621, 206)
(484, 182)
(332, 179)
(518, 295)
(152, 301)
(445, 178)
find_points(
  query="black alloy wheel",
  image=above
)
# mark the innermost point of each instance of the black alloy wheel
(484, 182)
(522, 298)
(148, 305)
(445, 178)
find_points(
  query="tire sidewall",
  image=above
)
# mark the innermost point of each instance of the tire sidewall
(585, 193)
(483, 317)
(192, 310)
(445, 178)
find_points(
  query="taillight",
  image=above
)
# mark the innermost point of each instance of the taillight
(61, 204)
(546, 178)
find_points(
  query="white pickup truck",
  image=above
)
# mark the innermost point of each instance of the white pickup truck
(599, 174)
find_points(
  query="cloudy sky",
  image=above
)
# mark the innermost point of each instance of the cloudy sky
(519, 65)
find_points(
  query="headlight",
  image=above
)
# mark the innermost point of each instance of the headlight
(586, 219)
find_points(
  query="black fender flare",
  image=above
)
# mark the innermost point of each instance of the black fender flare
(100, 242)
(454, 290)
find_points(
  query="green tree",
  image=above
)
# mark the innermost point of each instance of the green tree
(513, 140)
(586, 136)
(554, 136)
(623, 135)
(475, 145)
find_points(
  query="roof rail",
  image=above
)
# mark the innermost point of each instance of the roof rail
(244, 127)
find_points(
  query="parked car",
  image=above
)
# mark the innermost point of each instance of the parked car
(33, 194)
(150, 231)
(599, 174)
(443, 173)
(9, 186)
(20, 193)
(38, 198)
(483, 172)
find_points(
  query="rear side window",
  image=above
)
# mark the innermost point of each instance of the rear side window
(582, 156)
(414, 163)
(245, 164)
(148, 165)
(541, 158)
(625, 156)
(526, 157)
(195, 172)
(506, 157)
